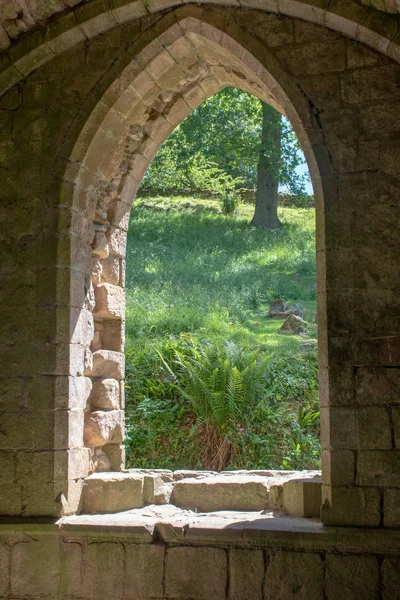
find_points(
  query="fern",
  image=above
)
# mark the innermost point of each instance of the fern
(221, 383)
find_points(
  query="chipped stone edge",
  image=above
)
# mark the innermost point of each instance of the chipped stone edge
(91, 25)
(279, 532)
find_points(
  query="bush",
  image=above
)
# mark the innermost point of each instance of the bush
(230, 203)
(208, 405)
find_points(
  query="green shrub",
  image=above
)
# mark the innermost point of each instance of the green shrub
(208, 405)
(230, 203)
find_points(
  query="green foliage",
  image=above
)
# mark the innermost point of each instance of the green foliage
(196, 278)
(221, 383)
(212, 406)
(230, 203)
(217, 146)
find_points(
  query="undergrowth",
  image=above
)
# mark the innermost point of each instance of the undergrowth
(210, 381)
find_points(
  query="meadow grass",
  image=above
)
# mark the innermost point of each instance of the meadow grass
(193, 271)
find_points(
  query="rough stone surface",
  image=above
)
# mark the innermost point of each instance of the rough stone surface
(305, 580)
(35, 568)
(104, 427)
(277, 307)
(164, 552)
(247, 568)
(4, 567)
(391, 508)
(88, 94)
(221, 493)
(391, 579)
(108, 364)
(352, 506)
(352, 577)
(104, 572)
(105, 394)
(145, 567)
(188, 573)
(293, 325)
(302, 497)
(112, 492)
(111, 270)
(110, 301)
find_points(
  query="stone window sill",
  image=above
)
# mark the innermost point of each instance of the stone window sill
(296, 493)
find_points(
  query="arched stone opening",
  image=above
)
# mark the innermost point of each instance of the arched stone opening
(176, 72)
(344, 106)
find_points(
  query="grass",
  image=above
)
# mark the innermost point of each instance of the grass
(193, 273)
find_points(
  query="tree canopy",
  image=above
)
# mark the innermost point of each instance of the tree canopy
(217, 147)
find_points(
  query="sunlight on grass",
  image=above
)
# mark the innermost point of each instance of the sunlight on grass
(192, 270)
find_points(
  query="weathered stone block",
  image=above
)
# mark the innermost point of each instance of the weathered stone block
(68, 429)
(112, 492)
(302, 497)
(82, 327)
(110, 270)
(156, 489)
(35, 568)
(188, 474)
(104, 570)
(221, 493)
(294, 575)
(39, 501)
(117, 241)
(374, 428)
(104, 427)
(118, 214)
(275, 499)
(4, 568)
(108, 364)
(71, 582)
(358, 507)
(37, 466)
(370, 85)
(113, 336)
(338, 467)
(246, 574)
(116, 456)
(379, 468)
(110, 301)
(391, 511)
(144, 571)
(355, 577)
(339, 427)
(97, 269)
(391, 579)
(105, 394)
(396, 424)
(6, 467)
(188, 570)
(100, 246)
(71, 393)
(307, 59)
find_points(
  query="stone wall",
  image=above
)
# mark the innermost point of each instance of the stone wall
(79, 123)
(71, 562)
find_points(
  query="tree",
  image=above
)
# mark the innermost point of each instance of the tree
(225, 133)
(268, 170)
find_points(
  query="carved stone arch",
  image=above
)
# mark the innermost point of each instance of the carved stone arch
(179, 69)
(58, 33)
(76, 135)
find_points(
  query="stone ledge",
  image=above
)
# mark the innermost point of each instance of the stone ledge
(174, 526)
(171, 525)
(295, 493)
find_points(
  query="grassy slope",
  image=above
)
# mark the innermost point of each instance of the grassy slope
(191, 269)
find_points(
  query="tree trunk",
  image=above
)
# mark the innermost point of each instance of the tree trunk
(266, 210)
